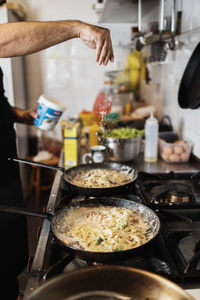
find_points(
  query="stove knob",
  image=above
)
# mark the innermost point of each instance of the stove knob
(20, 296)
(38, 232)
(29, 265)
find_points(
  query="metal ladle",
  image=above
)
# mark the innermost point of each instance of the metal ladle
(141, 41)
(173, 44)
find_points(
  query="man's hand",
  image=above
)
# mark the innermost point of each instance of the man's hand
(98, 38)
(24, 116)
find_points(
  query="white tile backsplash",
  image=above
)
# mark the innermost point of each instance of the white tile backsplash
(190, 14)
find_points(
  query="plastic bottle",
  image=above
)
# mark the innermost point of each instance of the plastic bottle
(93, 131)
(102, 104)
(151, 140)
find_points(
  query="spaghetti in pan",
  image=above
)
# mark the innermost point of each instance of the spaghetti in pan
(108, 229)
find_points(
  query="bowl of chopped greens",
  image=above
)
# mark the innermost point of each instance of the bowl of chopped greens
(122, 144)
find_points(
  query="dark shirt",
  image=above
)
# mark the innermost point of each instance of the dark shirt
(8, 170)
(6, 115)
(13, 231)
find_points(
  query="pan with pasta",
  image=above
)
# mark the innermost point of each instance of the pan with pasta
(93, 179)
(105, 229)
(100, 179)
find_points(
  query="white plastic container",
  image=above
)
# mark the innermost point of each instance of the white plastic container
(151, 140)
(49, 111)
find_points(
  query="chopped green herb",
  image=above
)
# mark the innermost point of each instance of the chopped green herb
(121, 224)
(99, 240)
(117, 249)
(122, 133)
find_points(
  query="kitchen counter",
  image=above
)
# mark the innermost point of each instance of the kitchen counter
(162, 167)
(193, 165)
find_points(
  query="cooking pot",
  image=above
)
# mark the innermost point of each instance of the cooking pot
(109, 282)
(121, 150)
(70, 173)
(63, 220)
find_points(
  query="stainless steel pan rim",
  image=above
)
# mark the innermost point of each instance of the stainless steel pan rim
(151, 219)
(132, 283)
(100, 295)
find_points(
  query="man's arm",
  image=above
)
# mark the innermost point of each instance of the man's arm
(23, 38)
(24, 116)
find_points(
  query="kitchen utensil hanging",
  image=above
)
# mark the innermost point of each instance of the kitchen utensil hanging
(189, 90)
(159, 48)
(174, 44)
(158, 51)
(140, 41)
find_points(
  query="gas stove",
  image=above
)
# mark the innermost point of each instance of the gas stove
(174, 254)
(170, 190)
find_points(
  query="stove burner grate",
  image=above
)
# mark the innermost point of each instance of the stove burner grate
(178, 192)
(173, 193)
(99, 295)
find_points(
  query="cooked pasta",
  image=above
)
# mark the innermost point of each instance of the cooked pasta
(107, 229)
(101, 178)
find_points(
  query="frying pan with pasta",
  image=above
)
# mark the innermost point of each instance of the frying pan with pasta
(62, 221)
(128, 172)
(65, 221)
(84, 169)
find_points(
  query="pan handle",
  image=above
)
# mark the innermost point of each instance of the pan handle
(39, 164)
(25, 211)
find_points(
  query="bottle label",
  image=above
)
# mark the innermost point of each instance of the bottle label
(47, 117)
